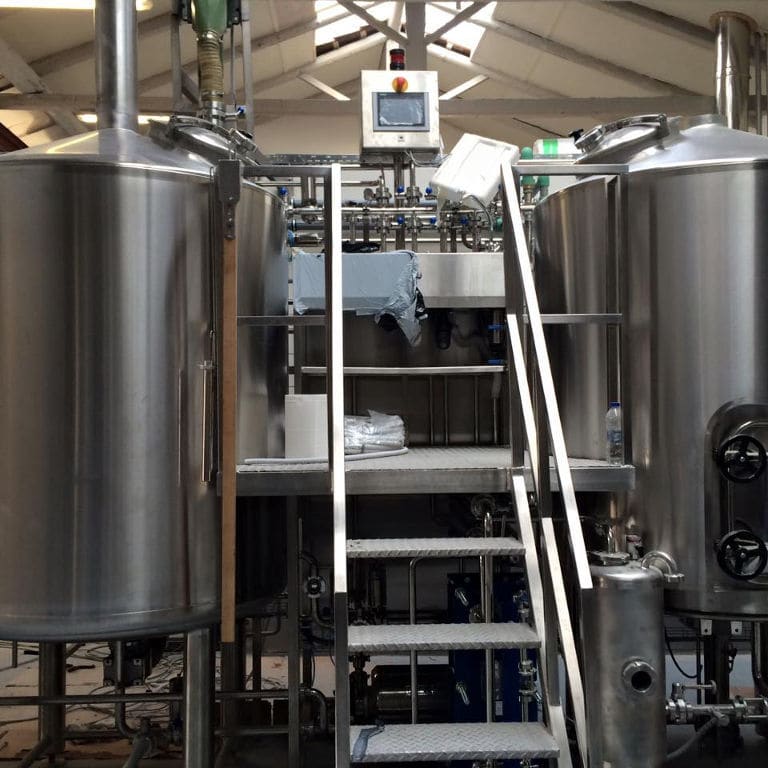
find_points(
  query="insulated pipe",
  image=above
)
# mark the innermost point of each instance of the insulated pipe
(115, 29)
(733, 37)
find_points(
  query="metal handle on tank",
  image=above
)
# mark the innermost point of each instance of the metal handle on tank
(206, 432)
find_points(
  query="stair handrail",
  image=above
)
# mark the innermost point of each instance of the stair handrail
(539, 428)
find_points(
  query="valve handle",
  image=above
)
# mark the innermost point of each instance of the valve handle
(741, 459)
(742, 554)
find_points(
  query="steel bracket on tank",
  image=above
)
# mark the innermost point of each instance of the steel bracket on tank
(228, 188)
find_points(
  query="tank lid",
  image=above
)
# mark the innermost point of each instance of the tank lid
(609, 559)
(616, 139)
(646, 142)
(113, 146)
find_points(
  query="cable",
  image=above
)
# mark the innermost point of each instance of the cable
(698, 736)
(674, 660)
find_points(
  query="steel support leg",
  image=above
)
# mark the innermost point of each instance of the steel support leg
(294, 640)
(198, 699)
(52, 682)
(717, 661)
(233, 677)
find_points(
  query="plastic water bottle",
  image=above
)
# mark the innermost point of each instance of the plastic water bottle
(614, 435)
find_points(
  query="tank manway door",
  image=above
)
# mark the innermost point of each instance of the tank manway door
(740, 521)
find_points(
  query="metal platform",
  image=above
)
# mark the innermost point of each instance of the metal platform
(455, 741)
(399, 638)
(422, 470)
(467, 547)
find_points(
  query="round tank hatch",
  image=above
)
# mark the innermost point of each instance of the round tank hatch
(609, 559)
(628, 135)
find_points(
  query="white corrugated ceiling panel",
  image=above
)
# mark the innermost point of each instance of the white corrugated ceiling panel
(700, 11)
(607, 35)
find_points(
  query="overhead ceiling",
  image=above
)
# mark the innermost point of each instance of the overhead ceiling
(620, 54)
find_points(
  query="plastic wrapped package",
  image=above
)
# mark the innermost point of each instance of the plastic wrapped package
(379, 284)
(373, 433)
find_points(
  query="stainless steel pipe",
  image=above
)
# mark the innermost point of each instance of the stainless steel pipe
(733, 37)
(116, 53)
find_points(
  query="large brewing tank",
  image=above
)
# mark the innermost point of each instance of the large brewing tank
(107, 247)
(693, 287)
(623, 628)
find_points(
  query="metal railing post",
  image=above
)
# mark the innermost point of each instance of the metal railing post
(335, 384)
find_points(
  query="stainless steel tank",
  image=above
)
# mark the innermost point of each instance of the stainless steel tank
(695, 380)
(623, 630)
(106, 313)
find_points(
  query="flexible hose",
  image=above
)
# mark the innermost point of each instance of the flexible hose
(36, 752)
(695, 739)
(141, 745)
(211, 67)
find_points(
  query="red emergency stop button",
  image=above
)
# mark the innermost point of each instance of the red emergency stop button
(400, 85)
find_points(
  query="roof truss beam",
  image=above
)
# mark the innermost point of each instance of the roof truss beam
(380, 26)
(396, 22)
(323, 87)
(439, 52)
(523, 107)
(467, 85)
(464, 15)
(23, 77)
(657, 20)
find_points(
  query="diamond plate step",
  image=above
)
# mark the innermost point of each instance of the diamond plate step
(382, 638)
(453, 741)
(466, 547)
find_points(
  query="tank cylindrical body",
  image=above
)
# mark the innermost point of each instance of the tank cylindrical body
(695, 374)
(623, 628)
(106, 314)
(571, 275)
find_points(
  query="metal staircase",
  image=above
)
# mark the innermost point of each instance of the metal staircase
(417, 742)
(535, 426)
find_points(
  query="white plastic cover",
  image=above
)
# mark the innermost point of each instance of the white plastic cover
(471, 174)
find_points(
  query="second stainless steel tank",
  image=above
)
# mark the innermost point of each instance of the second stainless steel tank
(695, 379)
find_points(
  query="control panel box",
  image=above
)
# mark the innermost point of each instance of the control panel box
(400, 111)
